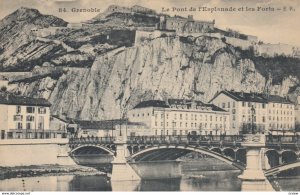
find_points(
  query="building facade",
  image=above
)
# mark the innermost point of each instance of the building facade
(185, 25)
(181, 117)
(256, 112)
(24, 117)
(110, 128)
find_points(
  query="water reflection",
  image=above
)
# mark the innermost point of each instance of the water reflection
(191, 181)
(201, 181)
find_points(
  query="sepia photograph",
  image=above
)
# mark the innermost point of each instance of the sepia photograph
(149, 95)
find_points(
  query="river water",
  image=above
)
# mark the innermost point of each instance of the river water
(225, 180)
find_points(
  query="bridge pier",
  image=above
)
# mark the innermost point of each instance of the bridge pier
(121, 170)
(253, 177)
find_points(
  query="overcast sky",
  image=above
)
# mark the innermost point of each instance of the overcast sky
(269, 26)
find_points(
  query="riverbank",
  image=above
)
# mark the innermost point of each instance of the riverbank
(46, 170)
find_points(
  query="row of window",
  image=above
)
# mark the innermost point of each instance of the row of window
(276, 105)
(281, 118)
(193, 125)
(281, 112)
(281, 126)
(31, 109)
(20, 118)
(192, 117)
(19, 125)
(182, 132)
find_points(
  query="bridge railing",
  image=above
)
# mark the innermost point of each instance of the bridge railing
(184, 139)
(280, 139)
(92, 140)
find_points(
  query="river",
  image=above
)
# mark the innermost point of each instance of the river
(192, 180)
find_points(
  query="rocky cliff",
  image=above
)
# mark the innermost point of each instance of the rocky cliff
(97, 73)
(166, 67)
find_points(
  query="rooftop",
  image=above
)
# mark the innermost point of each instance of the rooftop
(253, 97)
(12, 99)
(177, 102)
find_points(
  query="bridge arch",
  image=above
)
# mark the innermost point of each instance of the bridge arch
(187, 149)
(289, 156)
(103, 148)
(273, 157)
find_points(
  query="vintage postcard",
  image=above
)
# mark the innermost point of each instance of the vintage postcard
(149, 95)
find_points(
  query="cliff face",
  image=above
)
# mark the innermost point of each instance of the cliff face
(15, 33)
(83, 75)
(163, 68)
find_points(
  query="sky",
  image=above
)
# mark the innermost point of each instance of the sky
(266, 22)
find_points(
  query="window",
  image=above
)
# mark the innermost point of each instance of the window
(155, 131)
(263, 119)
(30, 109)
(42, 110)
(19, 126)
(132, 115)
(29, 118)
(41, 122)
(162, 124)
(233, 118)
(243, 104)
(263, 106)
(180, 116)
(18, 117)
(223, 105)
(18, 110)
(233, 104)
(210, 117)
(162, 116)
(228, 104)
(28, 126)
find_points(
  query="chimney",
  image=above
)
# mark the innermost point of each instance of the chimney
(242, 93)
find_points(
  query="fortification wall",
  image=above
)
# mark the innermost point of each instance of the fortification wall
(244, 44)
(275, 49)
(143, 36)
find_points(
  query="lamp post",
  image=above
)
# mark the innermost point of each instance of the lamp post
(252, 114)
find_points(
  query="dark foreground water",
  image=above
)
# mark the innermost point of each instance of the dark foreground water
(191, 181)
(201, 181)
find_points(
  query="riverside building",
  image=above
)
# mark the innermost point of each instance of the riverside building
(256, 112)
(181, 117)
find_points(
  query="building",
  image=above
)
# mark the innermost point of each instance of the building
(64, 126)
(180, 117)
(257, 112)
(135, 8)
(110, 128)
(185, 25)
(24, 117)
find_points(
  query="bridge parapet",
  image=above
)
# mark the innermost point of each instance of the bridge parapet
(73, 142)
(282, 141)
(228, 140)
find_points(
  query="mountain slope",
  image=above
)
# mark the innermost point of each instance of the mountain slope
(164, 68)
